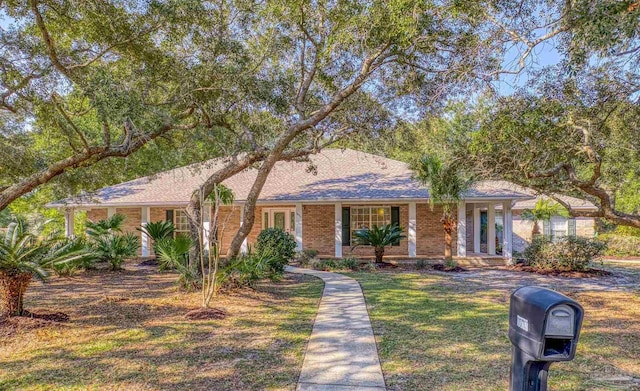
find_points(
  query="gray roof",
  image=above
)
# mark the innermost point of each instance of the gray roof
(334, 175)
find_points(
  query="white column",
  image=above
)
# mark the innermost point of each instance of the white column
(145, 212)
(507, 233)
(68, 222)
(411, 230)
(110, 212)
(462, 229)
(244, 247)
(298, 227)
(476, 229)
(491, 229)
(206, 224)
(338, 230)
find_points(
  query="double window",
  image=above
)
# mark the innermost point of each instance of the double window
(179, 219)
(558, 227)
(368, 216)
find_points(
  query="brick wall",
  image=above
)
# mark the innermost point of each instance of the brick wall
(430, 233)
(96, 215)
(318, 228)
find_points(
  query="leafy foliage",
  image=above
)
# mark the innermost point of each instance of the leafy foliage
(621, 246)
(22, 251)
(107, 226)
(567, 254)
(114, 249)
(304, 257)
(158, 230)
(277, 246)
(543, 210)
(378, 238)
(173, 253)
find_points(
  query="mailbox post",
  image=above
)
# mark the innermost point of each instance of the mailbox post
(544, 326)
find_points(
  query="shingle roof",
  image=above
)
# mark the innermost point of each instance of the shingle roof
(335, 174)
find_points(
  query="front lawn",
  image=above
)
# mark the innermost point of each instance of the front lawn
(128, 332)
(435, 332)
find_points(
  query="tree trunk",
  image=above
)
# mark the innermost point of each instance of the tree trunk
(379, 251)
(449, 224)
(12, 288)
(536, 229)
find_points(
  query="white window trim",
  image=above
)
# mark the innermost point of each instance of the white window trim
(351, 214)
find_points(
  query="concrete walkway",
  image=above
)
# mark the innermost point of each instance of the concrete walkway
(341, 354)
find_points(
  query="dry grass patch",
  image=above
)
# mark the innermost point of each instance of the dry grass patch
(128, 332)
(438, 333)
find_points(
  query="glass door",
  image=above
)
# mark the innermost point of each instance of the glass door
(283, 218)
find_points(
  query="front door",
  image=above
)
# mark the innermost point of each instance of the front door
(283, 218)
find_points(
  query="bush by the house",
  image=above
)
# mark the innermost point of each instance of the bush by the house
(421, 264)
(304, 257)
(568, 254)
(246, 270)
(114, 249)
(277, 246)
(621, 246)
(324, 264)
(348, 263)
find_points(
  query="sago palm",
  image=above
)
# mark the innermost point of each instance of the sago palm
(110, 225)
(157, 231)
(447, 186)
(24, 256)
(378, 238)
(542, 211)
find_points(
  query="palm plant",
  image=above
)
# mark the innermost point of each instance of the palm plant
(24, 256)
(378, 238)
(116, 248)
(157, 231)
(543, 210)
(173, 251)
(103, 227)
(446, 187)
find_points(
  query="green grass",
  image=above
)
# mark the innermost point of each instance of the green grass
(435, 333)
(128, 332)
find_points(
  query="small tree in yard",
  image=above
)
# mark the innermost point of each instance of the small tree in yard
(24, 256)
(446, 187)
(542, 211)
(378, 238)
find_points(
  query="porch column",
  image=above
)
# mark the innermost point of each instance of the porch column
(145, 212)
(411, 230)
(68, 222)
(507, 233)
(338, 230)
(298, 227)
(476, 229)
(462, 229)
(491, 229)
(244, 247)
(110, 212)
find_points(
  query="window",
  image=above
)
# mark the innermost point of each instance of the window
(368, 216)
(181, 222)
(559, 227)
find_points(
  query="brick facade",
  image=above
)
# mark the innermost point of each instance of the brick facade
(430, 233)
(318, 229)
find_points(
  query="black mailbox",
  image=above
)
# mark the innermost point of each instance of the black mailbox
(544, 326)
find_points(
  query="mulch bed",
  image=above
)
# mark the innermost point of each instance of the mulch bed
(149, 262)
(442, 268)
(588, 273)
(206, 314)
(30, 321)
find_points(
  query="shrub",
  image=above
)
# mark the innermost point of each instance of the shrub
(304, 257)
(325, 265)
(246, 270)
(421, 264)
(568, 254)
(621, 246)
(116, 248)
(157, 231)
(277, 246)
(172, 252)
(450, 263)
(369, 267)
(348, 263)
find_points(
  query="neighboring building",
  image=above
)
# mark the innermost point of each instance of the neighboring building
(321, 203)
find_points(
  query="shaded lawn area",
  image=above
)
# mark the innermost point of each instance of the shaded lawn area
(436, 333)
(128, 332)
